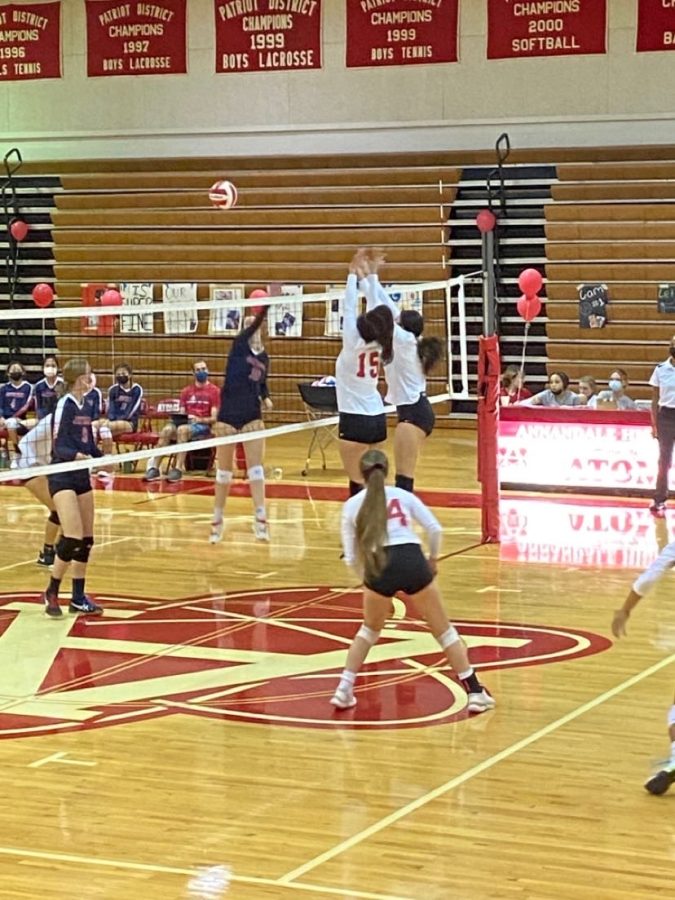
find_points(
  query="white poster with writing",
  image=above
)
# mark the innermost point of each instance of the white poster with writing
(182, 321)
(137, 293)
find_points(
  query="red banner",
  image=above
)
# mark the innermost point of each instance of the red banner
(136, 38)
(30, 41)
(518, 30)
(656, 25)
(267, 35)
(401, 32)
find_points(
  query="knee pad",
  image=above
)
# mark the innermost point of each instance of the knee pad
(81, 555)
(54, 518)
(223, 476)
(67, 547)
(12, 423)
(671, 716)
(448, 638)
(256, 473)
(105, 433)
(368, 635)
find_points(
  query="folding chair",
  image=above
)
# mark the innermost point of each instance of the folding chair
(320, 403)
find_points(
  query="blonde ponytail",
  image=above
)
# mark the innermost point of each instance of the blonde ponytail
(371, 526)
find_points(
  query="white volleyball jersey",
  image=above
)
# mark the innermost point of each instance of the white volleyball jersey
(36, 445)
(663, 562)
(403, 508)
(358, 364)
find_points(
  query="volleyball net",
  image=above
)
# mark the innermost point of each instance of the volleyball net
(161, 331)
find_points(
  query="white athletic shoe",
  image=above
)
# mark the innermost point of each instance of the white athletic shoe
(260, 530)
(481, 702)
(343, 699)
(217, 529)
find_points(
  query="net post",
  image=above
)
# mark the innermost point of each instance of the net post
(489, 370)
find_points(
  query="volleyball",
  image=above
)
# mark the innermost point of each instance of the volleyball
(223, 194)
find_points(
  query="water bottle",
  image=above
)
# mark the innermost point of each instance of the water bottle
(4, 456)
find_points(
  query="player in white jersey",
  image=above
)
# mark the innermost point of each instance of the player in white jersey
(406, 375)
(35, 448)
(659, 783)
(366, 340)
(379, 542)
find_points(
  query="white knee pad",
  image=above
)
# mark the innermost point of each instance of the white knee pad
(256, 473)
(368, 635)
(448, 638)
(11, 423)
(671, 716)
(223, 476)
(105, 432)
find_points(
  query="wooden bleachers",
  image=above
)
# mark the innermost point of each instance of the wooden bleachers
(297, 221)
(614, 223)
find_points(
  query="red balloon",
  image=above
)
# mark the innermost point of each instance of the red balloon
(18, 229)
(258, 294)
(486, 220)
(111, 297)
(43, 295)
(528, 307)
(530, 282)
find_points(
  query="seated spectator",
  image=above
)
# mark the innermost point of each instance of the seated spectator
(16, 397)
(588, 388)
(47, 389)
(557, 394)
(512, 389)
(123, 408)
(616, 395)
(198, 405)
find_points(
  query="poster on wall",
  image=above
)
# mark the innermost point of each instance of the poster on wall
(401, 33)
(655, 25)
(136, 38)
(334, 310)
(136, 293)
(229, 318)
(267, 35)
(285, 319)
(666, 298)
(518, 30)
(182, 321)
(30, 41)
(593, 300)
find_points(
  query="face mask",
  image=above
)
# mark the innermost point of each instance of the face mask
(201, 376)
(615, 385)
(50, 371)
(16, 375)
(122, 379)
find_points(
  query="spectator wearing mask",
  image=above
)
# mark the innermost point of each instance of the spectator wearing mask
(16, 397)
(616, 393)
(557, 393)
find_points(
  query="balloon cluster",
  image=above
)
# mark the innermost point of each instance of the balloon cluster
(529, 304)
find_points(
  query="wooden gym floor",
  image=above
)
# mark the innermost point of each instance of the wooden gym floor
(183, 746)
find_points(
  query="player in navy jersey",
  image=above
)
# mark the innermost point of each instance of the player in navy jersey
(379, 542)
(45, 390)
(73, 439)
(125, 398)
(241, 396)
(16, 397)
(366, 341)
(406, 375)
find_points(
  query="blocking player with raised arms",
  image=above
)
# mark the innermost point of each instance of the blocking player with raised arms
(73, 439)
(659, 783)
(243, 392)
(379, 542)
(413, 359)
(366, 341)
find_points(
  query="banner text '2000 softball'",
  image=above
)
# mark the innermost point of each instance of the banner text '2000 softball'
(518, 29)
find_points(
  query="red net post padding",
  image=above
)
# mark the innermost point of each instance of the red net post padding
(489, 369)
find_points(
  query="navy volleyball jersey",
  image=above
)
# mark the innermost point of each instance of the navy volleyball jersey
(93, 400)
(72, 431)
(44, 397)
(15, 399)
(124, 404)
(245, 379)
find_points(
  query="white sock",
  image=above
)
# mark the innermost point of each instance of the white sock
(464, 675)
(218, 512)
(152, 463)
(347, 680)
(260, 513)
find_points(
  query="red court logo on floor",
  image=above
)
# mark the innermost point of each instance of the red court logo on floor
(269, 656)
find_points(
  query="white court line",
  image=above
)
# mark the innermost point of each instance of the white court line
(471, 773)
(31, 561)
(193, 872)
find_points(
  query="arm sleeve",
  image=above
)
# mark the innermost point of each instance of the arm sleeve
(138, 397)
(113, 412)
(348, 536)
(350, 333)
(654, 380)
(377, 296)
(264, 390)
(64, 448)
(254, 326)
(20, 413)
(423, 515)
(664, 561)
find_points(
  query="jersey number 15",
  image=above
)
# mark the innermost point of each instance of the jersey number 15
(369, 364)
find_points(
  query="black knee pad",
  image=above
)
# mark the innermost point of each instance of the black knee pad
(54, 518)
(67, 547)
(84, 549)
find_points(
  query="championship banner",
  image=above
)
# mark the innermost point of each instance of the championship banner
(30, 41)
(267, 35)
(136, 38)
(655, 25)
(401, 32)
(517, 30)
